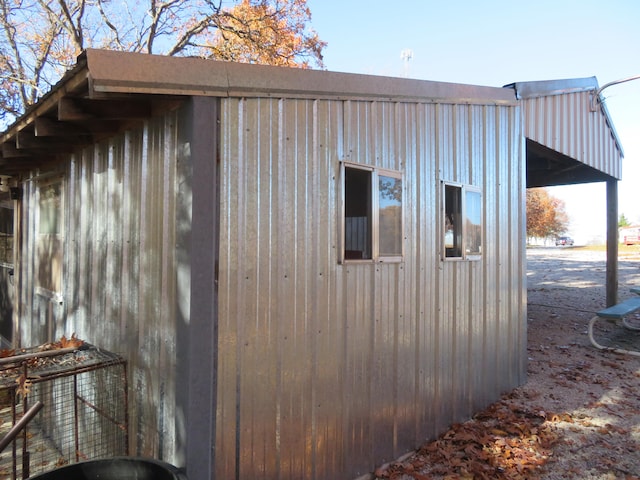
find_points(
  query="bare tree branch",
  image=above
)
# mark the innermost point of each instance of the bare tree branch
(74, 29)
(157, 12)
(112, 27)
(40, 39)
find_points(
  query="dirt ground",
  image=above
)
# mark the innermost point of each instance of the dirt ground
(578, 415)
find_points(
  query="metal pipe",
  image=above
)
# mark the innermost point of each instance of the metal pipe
(596, 96)
(44, 353)
(76, 430)
(20, 424)
(25, 444)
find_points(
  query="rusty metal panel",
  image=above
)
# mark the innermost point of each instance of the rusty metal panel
(119, 285)
(326, 369)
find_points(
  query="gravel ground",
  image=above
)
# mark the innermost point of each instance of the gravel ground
(597, 392)
(578, 415)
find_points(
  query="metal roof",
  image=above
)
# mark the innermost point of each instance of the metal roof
(544, 88)
(117, 72)
(568, 140)
(106, 91)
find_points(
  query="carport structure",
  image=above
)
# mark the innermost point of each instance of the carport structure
(570, 139)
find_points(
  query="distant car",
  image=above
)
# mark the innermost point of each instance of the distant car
(630, 235)
(564, 241)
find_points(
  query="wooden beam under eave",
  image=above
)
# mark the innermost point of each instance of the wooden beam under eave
(77, 109)
(76, 83)
(69, 110)
(47, 127)
(16, 166)
(19, 164)
(9, 150)
(28, 141)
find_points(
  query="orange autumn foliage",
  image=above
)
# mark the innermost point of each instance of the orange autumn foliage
(546, 216)
(40, 41)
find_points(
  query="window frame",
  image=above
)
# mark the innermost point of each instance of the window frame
(7, 239)
(464, 189)
(49, 245)
(374, 199)
(465, 215)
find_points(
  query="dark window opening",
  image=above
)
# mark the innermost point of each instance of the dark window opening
(452, 221)
(6, 229)
(462, 223)
(357, 216)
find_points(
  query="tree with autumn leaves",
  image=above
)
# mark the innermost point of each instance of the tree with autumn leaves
(546, 216)
(41, 39)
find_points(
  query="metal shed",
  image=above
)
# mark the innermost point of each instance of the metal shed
(309, 273)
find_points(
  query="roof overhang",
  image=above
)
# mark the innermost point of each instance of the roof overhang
(568, 141)
(107, 92)
(118, 72)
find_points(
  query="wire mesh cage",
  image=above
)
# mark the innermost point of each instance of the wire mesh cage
(84, 416)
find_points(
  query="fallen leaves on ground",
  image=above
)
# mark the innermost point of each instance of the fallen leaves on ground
(502, 442)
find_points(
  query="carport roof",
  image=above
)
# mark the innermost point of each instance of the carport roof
(570, 135)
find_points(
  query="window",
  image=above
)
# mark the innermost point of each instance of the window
(357, 214)
(473, 222)
(372, 209)
(462, 222)
(452, 221)
(390, 215)
(6, 229)
(50, 237)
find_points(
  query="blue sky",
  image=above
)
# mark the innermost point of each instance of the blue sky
(496, 42)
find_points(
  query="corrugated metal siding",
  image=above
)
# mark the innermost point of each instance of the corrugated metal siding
(119, 276)
(327, 369)
(565, 123)
(324, 370)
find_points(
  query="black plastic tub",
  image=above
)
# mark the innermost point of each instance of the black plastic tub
(120, 468)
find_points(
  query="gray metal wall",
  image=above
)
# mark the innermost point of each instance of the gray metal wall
(323, 370)
(120, 270)
(326, 370)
